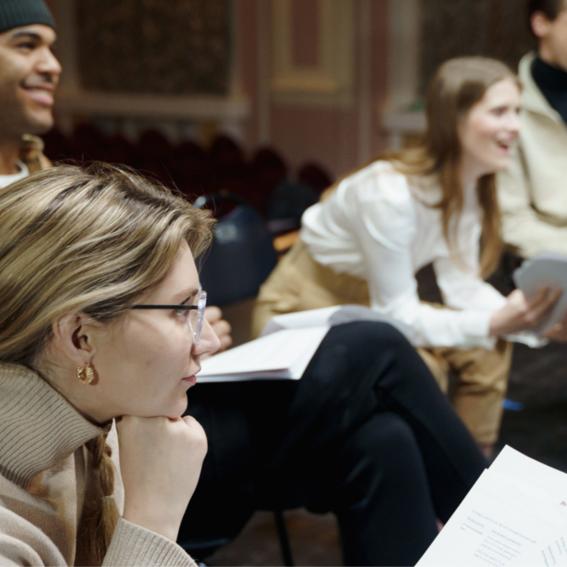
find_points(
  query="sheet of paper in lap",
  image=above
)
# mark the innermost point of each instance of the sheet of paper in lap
(514, 516)
(285, 348)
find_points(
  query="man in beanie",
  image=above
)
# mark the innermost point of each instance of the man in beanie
(29, 73)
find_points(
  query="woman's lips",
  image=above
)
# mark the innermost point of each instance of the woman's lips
(192, 380)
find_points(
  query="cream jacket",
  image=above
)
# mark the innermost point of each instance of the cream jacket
(533, 192)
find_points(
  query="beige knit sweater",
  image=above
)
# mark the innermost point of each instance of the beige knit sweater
(43, 468)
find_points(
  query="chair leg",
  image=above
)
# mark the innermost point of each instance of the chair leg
(284, 538)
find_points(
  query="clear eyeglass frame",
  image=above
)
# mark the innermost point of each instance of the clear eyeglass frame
(196, 315)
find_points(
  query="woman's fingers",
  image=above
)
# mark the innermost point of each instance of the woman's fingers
(541, 305)
(558, 332)
(213, 314)
(160, 461)
(521, 313)
(220, 326)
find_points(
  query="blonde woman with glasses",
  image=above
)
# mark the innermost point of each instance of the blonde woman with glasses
(101, 318)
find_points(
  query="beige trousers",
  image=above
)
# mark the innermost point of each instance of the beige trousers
(481, 377)
(300, 283)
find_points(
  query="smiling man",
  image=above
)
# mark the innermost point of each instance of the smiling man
(29, 74)
(533, 192)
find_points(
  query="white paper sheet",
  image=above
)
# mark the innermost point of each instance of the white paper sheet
(329, 316)
(545, 270)
(514, 516)
(287, 344)
(283, 355)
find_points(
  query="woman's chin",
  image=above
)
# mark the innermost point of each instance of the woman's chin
(179, 409)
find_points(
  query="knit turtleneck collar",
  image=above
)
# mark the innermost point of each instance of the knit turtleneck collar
(552, 82)
(38, 426)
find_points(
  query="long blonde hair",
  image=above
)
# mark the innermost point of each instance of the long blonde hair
(90, 240)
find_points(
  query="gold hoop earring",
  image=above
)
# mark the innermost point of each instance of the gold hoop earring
(86, 374)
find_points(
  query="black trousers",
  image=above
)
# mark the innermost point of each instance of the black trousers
(366, 434)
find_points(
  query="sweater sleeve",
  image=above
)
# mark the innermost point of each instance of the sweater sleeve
(23, 543)
(134, 545)
(386, 229)
(522, 227)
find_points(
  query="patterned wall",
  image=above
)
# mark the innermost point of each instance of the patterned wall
(449, 28)
(155, 46)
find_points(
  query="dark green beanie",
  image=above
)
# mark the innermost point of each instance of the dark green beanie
(16, 13)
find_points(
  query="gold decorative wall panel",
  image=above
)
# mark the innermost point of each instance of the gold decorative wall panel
(328, 80)
(174, 47)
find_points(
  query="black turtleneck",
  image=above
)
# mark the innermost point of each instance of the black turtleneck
(552, 82)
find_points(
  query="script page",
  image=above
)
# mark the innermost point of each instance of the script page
(514, 516)
(284, 354)
(545, 270)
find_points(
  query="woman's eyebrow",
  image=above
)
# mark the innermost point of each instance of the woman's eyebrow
(192, 294)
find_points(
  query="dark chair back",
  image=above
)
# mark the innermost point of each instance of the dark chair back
(242, 254)
(288, 202)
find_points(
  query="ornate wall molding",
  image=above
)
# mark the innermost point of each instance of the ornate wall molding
(330, 79)
(133, 90)
(403, 51)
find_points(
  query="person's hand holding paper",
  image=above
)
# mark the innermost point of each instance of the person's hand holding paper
(523, 312)
(533, 278)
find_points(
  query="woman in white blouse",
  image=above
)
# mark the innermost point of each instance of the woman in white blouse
(431, 204)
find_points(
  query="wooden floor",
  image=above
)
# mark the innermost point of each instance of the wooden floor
(314, 541)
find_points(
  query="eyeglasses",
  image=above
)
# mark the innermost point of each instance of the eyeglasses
(195, 316)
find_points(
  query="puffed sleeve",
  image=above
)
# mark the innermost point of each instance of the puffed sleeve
(386, 230)
(459, 277)
(463, 288)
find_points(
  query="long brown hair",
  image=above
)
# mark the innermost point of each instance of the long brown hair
(91, 241)
(456, 87)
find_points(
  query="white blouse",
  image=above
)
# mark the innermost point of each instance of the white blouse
(378, 226)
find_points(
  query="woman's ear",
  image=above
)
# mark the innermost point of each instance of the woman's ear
(73, 337)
